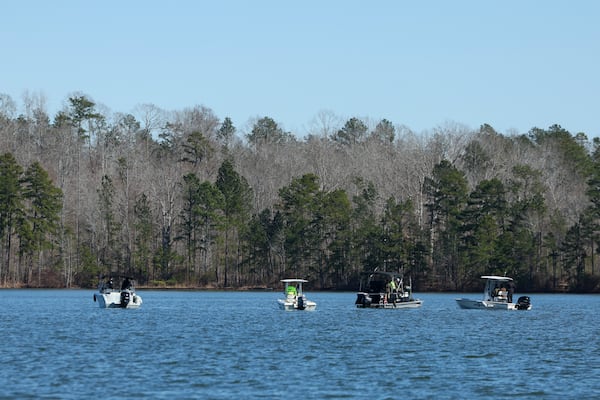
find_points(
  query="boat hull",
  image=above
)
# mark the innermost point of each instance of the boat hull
(113, 300)
(416, 303)
(288, 305)
(381, 300)
(469, 304)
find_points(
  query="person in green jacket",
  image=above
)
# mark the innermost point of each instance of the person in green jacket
(290, 290)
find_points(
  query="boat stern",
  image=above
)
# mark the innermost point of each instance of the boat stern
(107, 299)
(363, 300)
(300, 304)
(116, 299)
(523, 303)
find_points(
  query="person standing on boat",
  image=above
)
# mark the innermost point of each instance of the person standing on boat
(511, 290)
(495, 291)
(502, 293)
(291, 290)
(126, 284)
(399, 286)
(392, 286)
(390, 290)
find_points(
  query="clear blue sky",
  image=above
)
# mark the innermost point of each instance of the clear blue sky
(513, 64)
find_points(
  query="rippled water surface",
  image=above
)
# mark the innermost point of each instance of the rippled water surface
(239, 345)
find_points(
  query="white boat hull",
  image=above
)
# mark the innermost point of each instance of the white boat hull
(470, 304)
(292, 305)
(112, 299)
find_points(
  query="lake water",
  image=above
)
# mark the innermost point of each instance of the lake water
(239, 345)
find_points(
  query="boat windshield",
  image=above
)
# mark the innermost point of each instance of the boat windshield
(293, 287)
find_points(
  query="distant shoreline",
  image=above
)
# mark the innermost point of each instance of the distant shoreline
(257, 289)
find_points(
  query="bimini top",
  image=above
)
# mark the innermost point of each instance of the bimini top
(497, 278)
(384, 273)
(294, 280)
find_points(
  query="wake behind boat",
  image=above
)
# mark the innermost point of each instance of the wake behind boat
(497, 295)
(380, 289)
(110, 297)
(295, 299)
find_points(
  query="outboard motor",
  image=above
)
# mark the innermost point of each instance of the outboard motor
(524, 303)
(301, 305)
(125, 298)
(364, 300)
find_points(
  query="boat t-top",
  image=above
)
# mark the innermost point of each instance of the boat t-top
(294, 297)
(497, 295)
(380, 289)
(109, 296)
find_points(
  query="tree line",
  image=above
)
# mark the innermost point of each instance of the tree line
(185, 199)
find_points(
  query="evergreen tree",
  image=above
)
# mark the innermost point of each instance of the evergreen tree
(367, 235)
(263, 240)
(196, 148)
(190, 220)
(210, 217)
(447, 195)
(482, 224)
(44, 200)
(266, 131)
(574, 253)
(353, 132)
(384, 132)
(226, 132)
(12, 210)
(236, 209)
(402, 246)
(106, 197)
(144, 233)
(332, 221)
(299, 202)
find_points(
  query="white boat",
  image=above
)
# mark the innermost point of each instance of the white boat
(295, 299)
(110, 297)
(379, 289)
(497, 295)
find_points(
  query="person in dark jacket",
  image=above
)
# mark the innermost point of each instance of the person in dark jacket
(126, 284)
(511, 290)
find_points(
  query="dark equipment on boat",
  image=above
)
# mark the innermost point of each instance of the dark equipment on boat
(125, 298)
(524, 303)
(301, 305)
(364, 300)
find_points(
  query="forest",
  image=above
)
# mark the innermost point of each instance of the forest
(185, 199)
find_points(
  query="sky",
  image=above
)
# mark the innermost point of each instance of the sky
(512, 64)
